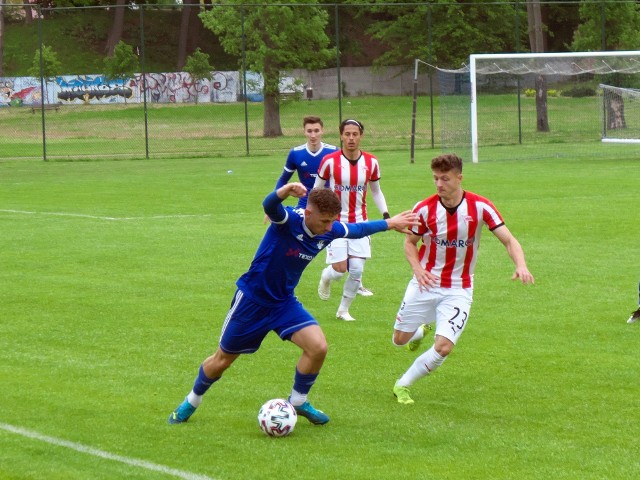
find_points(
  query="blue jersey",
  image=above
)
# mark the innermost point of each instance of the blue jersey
(306, 163)
(287, 248)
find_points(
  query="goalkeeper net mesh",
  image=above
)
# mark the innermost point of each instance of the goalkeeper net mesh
(620, 114)
(533, 105)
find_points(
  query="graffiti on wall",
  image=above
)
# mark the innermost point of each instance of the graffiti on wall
(176, 87)
(20, 91)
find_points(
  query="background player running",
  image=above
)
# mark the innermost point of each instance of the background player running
(351, 173)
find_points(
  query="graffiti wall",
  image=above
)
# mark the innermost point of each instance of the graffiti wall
(176, 87)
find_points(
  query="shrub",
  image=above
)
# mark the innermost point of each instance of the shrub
(579, 91)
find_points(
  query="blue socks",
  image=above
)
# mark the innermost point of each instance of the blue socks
(203, 382)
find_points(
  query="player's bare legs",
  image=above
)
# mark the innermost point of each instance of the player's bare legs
(210, 372)
(314, 347)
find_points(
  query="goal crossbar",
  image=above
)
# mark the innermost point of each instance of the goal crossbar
(566, 63)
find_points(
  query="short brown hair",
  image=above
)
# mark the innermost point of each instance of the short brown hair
(326, 200)
(446, 163)
(311, 119)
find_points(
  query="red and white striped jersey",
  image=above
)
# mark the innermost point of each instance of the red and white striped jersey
(450, 241)
(350, 180)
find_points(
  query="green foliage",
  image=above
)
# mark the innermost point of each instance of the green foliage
(51, 66)
(198, 66)
(443, 33)
(123, 63)
(622, 25)
(277, 38)
(579, 91)
(531, 92)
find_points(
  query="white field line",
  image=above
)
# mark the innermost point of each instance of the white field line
(98, 217)
(102, 454)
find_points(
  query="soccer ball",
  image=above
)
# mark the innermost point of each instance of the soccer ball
(277, 417)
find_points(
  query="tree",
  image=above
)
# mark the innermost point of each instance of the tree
(121, 65)
(51, 67)
(537, 40)
(276, 39)
(441, 31)
(621, 23)
(189, 12)
(1, 38)
(117, 26)
(198, 66)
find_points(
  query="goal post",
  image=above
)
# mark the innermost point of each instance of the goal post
(620, 114)
(511, 77)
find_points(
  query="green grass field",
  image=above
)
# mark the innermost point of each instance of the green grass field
(115, 278)
(80, 132)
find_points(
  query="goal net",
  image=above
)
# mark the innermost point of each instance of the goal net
(528, 105)
(620, 114)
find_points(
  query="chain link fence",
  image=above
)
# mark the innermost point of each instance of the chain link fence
(156, 113)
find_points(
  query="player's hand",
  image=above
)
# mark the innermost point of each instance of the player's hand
(426, 280)
(402, 221)
(266, 219)
(524, 275)
(295, 189)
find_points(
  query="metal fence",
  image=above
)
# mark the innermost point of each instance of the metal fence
(157, 113)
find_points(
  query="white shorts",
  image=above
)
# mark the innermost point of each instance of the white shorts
(447, 307)
(342, 248)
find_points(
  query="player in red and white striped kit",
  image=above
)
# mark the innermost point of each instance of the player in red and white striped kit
(351, 173)
(442, 251)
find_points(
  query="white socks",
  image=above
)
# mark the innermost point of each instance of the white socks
(194, 399)
(296, 398)
(422, 366)
(330, 274)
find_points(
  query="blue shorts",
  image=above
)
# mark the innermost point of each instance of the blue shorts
(248, 323)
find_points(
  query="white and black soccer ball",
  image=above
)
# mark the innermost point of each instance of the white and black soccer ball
(277, 417)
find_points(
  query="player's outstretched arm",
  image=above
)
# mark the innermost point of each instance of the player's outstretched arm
(402, 221)
(398, 222)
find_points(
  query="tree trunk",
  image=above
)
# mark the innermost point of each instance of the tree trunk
(195, 29)
(615, 112)
(271, 93)
(115, 32)
(272, 116)
(542, 119)
(185, 22)
(28, 14)
(1, 37)
(537, 41)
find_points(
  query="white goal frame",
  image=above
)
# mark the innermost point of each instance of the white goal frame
(605, 138)
(486, 56)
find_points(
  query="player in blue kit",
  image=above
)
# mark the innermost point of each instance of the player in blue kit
(305, 158)
(265, 300)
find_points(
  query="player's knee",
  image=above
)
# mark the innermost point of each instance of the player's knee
(399, 339)
(356, 268)
(340, 268)
(443, 348)
(318, 350)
